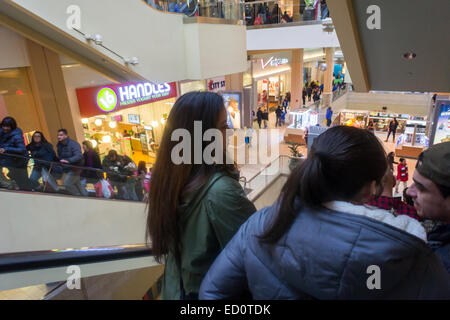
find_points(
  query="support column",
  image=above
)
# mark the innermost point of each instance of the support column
(296, 11)
(234, 82)
(3, 111)
(327, 95)
(49, 90)
(296, 78)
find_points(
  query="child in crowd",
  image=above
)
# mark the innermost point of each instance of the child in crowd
(402, 174)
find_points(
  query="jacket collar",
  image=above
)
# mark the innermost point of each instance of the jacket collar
(401, 222)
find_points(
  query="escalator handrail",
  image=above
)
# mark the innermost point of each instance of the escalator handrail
(59, 164)
(27, 261)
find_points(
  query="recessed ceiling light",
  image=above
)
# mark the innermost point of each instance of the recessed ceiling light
(409, 55)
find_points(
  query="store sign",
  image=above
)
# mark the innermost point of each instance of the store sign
(105, 99)
(273, 62)
(216, 84)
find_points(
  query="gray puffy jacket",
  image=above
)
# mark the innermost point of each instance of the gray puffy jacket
(328, 254)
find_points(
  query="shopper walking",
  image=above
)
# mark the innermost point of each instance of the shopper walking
(319, 239)
(309, 91)
(329, 116)
(194, 209)
(371, 127)
(93, 162)
(402, 174)
(431, 195)
(278, 113)
(13, 155)
(392, 129)
(41, 149)
(304, 96)
(259, 116)
(69, 153)
(391, 160)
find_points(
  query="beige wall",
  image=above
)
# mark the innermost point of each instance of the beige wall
(33, 222)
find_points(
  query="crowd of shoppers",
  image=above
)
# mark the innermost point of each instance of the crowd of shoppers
(335, 218)
(271, 12)
(76, 168)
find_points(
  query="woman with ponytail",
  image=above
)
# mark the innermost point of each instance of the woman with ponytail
(320, 240)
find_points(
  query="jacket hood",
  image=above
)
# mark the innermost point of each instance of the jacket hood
(328, 254)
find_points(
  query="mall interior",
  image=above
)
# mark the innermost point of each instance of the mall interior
(113, 85)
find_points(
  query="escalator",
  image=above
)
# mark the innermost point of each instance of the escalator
(46, 237)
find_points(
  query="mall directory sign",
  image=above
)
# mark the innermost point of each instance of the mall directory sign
(100, 100)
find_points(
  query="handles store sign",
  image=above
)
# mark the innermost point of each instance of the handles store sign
(105, 99)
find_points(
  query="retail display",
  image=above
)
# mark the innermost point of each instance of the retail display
(413, 141)
(300, 120)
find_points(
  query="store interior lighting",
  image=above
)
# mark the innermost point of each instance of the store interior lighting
(113, 124)
(98, 122)
(163, 121)
(94, 143)
(155, 124)
(106, 139)
(84, 121)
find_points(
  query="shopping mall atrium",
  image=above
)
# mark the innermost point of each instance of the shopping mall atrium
(93, 207)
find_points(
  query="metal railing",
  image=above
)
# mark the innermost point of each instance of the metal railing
(269, 173)
(24, 173)
(275, 12)
(222, 9)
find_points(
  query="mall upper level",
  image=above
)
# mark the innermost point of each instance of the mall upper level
(288, 24)
(135, 40)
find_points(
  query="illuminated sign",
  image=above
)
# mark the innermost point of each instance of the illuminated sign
(99, 100)
(274, 62)
(106, 99)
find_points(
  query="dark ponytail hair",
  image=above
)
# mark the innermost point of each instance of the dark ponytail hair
(341, 162)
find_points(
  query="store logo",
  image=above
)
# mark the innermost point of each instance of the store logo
(215, 86)
(273, 62)
(143, 91)
(106, 99)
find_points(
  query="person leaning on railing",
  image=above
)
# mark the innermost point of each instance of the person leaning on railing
(11, 144)
(69, 153)
(41, 149)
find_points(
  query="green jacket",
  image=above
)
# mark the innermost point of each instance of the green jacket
(209, 218)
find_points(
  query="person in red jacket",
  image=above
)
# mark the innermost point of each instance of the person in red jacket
(402, 174)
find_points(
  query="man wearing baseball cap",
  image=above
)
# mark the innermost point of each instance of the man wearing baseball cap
(431, 195)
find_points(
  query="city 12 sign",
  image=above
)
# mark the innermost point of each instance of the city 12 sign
(111, 98)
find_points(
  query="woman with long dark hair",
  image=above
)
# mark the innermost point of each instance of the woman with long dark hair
(41, 149)
(320, 241)
(194, 209)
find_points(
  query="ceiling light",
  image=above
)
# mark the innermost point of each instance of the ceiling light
(98, 122)
(84, 121)
(155, 124)
(98, 39)
(112, 124)
(94, 143)
(106, 139)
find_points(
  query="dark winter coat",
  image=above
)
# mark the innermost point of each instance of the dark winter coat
(70, 150)
(439, 240)
(42, 152)
(13, 143)
(328, 254)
